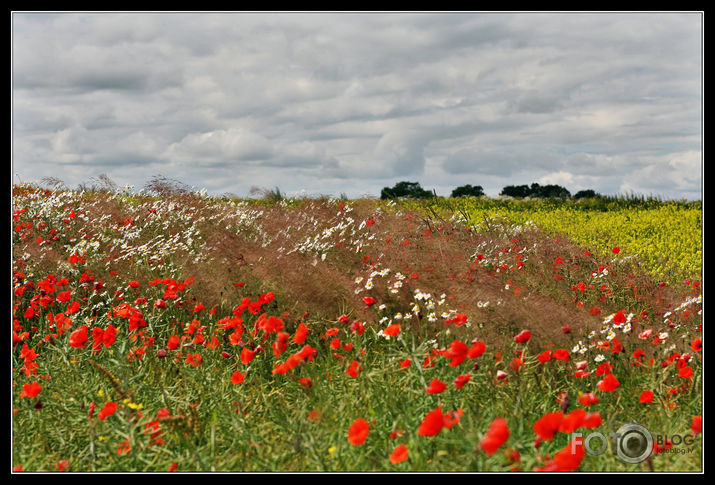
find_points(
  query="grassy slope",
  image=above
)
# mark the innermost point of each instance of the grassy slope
(272, 422)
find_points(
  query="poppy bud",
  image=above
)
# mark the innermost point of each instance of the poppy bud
(161, 353)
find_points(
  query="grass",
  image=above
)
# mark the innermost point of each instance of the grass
(195, 285)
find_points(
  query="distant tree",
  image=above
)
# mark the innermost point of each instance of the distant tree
(585, 194)
(468, 190)
(405, 189)
(516, 191)
(548, 191)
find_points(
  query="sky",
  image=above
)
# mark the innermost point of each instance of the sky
(333, 103)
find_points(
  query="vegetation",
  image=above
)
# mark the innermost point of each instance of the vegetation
(405, 189)
(468, 191)
(174, 331)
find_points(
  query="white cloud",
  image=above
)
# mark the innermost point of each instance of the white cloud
(593, 100)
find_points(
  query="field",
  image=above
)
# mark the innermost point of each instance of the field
(173, 331)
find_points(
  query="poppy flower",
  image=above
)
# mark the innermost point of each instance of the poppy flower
(368, 300)
(358, 431)
(523, 336)
(173, 342)
(593, 420)
(572, 421)
(545, 356)
(570, 457)
(496, 436)
(237, 377)
(301, 333)
(561, 354)
(609, 383)
(696, 424)
(124, 447)
(399, 454)
(686, 372)
(476, 350)
(354, 369)
(436, 387)
(305, 382)
(546, 426)
(108, 409)
(646, 397)
(247, 355)
(588, 399)
(697, 345)
(457, 351)
(79, 337)
(30, 390)
(392, 330)
(357, 327)
(432, 423)
(461, 380)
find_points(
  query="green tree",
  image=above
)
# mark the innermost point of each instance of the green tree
(405, 189)
(468, 190)
(585, 194)
(516, 191)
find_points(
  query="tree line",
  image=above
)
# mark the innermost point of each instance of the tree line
(415, 190)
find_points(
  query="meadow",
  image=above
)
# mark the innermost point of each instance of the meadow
(172, 331)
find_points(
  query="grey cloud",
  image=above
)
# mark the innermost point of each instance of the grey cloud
(350, 99)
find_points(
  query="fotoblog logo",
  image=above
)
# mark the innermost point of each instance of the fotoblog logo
(632, 443)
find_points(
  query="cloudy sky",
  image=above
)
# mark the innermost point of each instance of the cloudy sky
(331, 103)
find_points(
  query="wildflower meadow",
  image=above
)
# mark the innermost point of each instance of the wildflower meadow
(167, 330)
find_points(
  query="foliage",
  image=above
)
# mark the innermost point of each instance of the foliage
(468, 191)
(405, 189)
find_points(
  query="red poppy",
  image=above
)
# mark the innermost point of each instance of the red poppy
(619, 318)
(368, 300)
(436, 387)
(572, 421)
(561, 354)
(108, 409)
(237, 377)
(124, 447)
(79, 337)
(588, 399)
(247, 355)
(301, 333)
(593, 420)
(545, 356)
(496, 436)
(476, 350)
(696, 424)
(358, 431)
(609, 383)
(399, 454)
(354, 369)
(392, 330)
(646, 397)
(305, 382)
(686, 372)
(30, 390)
(173, 342)
(432, 423)
(523, 336)
(570, 457)
(457, 351)
(546, 426)
(461, 380)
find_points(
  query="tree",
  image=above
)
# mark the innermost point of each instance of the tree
(536, 190)
(548, 191)
(405, 189)
(516, 191)
(585, 194)
(468, 190)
